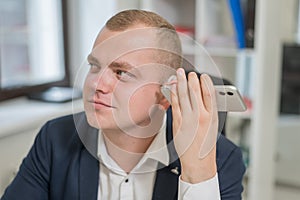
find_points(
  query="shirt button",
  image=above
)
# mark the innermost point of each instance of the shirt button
(126, 180)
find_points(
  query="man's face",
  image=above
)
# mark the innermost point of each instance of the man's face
(122, 88)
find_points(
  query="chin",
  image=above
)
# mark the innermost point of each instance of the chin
(93, 122)
(99, 122)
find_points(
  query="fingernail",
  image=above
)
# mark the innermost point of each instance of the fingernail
(206, 79)
(204, 76)
(180, 72)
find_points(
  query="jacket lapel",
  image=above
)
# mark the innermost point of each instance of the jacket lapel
(88, 164)
(88, 176)
(166, 182)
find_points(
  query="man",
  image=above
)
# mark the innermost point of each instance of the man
(124, 146)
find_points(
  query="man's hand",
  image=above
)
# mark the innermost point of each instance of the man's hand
(195, 126)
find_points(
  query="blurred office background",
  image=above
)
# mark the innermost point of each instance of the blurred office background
(253, 43)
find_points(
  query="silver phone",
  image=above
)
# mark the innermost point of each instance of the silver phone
(227, 96)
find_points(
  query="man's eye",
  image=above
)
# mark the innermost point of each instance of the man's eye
(94, 68)
(124, 75)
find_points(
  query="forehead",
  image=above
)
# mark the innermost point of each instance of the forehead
(135, 30)
(135, 44)
(127, 40)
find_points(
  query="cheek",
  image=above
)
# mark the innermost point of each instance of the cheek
(88, 91)
(142, 101)
(89, 86)
(85, 89)
(88, 83)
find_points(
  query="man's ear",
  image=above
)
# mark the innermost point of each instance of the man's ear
(165, 103)
(162, 101)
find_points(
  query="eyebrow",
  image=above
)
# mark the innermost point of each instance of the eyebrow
(115, 64)
(93, 59)
(120, 64)
(124, 65)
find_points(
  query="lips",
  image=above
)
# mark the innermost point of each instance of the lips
(102, 103)
(98, 105)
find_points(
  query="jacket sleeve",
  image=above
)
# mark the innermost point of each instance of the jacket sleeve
(32, 180)
(231, 173)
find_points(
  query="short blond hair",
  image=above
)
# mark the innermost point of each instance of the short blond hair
(127, 18)
(166, 35)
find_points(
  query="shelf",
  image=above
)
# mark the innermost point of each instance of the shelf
(286, 120)
(191, 49)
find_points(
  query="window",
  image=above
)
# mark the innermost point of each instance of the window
(33, 45)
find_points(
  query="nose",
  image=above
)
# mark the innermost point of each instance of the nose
(105, 81)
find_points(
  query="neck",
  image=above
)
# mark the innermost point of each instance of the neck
(125, 149)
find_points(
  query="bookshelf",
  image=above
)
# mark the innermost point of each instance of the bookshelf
(208, 23)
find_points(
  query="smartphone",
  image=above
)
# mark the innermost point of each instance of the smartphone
(227, 96)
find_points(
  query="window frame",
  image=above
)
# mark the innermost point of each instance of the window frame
(9, 93)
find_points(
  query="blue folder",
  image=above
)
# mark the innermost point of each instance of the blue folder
(238, 21)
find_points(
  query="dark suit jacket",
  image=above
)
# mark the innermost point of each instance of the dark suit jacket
(59, 166)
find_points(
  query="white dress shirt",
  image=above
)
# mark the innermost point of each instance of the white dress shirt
(115, 183)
